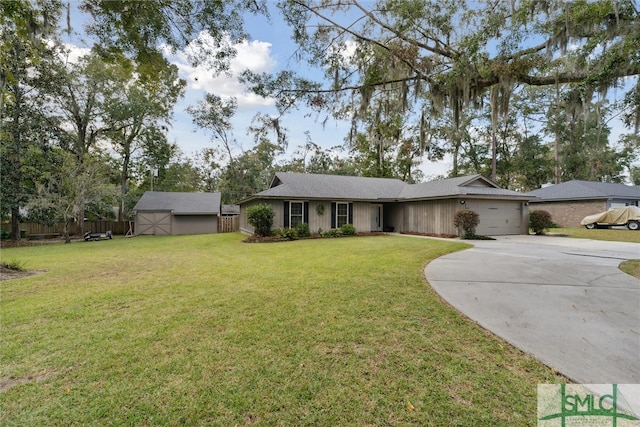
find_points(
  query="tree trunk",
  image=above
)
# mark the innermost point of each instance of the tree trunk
(15, 224)
(494, 125)
(123, 183)
(16, 162)
(65, 231)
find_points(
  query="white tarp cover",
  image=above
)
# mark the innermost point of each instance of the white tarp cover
(614, 216)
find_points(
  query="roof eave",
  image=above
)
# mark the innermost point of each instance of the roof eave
(195, 213)
(569, 199)
(469, 196)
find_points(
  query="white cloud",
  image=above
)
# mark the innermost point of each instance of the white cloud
(74, 53)
(348, 50)
(70, 53)
(254, 56)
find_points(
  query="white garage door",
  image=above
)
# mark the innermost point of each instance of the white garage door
(497, 218)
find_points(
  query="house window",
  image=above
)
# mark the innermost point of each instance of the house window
(296, 214)
(342, 214)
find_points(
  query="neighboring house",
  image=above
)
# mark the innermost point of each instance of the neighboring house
(230, 210)
(571, 201)
(380, 204)
(177, 213)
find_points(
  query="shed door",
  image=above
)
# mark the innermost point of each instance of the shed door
(153, 223)
(497, 217)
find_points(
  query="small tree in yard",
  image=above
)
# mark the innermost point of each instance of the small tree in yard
(466, 221)
(261, 217)
(539, 221)
(75, 185)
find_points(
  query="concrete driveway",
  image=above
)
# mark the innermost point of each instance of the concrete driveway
(562, 300)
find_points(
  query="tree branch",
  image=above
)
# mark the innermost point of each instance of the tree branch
(357, 35)
(432, 49)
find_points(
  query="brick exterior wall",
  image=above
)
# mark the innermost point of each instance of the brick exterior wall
(569, 213)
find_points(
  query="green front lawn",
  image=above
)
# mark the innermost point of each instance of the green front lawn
(618, 234)
(207, 330)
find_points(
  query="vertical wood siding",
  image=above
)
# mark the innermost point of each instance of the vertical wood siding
(195, 224)
(430, 216)
(316, 221)
(278, 218)
(362, 216)
(319, 221)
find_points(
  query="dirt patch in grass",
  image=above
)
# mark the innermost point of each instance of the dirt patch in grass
(9, 273)
(7, 382)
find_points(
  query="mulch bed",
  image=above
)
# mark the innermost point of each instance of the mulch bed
(270, 239)
(443, 235)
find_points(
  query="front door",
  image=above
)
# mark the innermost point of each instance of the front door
(376, 217)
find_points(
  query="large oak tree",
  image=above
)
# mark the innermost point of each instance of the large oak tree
(443, 57)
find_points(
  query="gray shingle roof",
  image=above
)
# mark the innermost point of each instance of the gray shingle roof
(475, 185)
(302, 185)
(576, 189)
(180, 203)
(230, 210)
(337, 187)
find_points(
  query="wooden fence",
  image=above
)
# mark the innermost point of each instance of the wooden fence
(226, 224)
(32, 228)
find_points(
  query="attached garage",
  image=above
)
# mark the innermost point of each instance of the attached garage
(164, 213)
(498, 217)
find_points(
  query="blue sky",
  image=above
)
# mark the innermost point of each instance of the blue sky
(270, 49)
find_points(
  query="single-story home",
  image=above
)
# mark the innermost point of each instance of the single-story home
(160, 213)
(570, 201)
(381, 204)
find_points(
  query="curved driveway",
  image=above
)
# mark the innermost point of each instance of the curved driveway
(562, 300)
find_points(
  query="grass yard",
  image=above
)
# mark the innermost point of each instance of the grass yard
(207, 330)
(617, 234)
(631, 267)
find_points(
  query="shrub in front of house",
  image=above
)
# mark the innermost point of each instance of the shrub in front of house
(539, 221)
(348, 230)
(334, 232)
(303, 230)
(286, 233)
(466, 222)
(261, 218)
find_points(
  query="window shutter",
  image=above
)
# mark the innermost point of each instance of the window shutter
(350, 213)
(286, 214)
(305, 213)
(333, 214)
